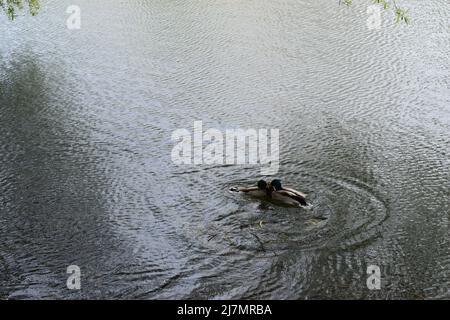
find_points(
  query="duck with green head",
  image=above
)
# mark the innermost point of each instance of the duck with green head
(287, 196)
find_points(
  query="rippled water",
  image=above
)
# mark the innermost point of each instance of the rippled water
(86, 177)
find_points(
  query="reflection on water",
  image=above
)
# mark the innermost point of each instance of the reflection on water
(86, 178)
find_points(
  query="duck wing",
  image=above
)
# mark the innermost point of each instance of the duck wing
(250, 189)
(300, 194)
(292, 195)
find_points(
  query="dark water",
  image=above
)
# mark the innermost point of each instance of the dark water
(86, 177)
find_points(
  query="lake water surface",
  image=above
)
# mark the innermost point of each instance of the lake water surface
(86, 177)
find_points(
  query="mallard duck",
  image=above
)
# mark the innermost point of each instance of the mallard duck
(276, 192)
(285, 195)
(261, 190)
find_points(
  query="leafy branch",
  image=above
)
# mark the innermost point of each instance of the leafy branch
(10, 7)
(401, 15)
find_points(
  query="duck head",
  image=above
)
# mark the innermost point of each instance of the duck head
(262, 185)
(276, 184)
